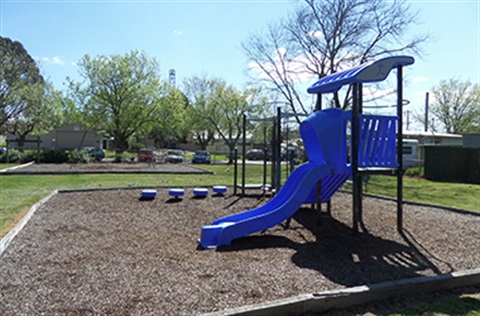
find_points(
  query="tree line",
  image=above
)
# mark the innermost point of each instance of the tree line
(125, 96)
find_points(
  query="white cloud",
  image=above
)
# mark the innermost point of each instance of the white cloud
(56, 60)
(177, 33)
(294, 67)
(420, 79)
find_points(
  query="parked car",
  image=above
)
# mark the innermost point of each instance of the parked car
(201, 156)
(174, 156)
(256, 154)
(95, 152)
(146, 155)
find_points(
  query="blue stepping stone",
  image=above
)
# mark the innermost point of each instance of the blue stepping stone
(220, 189)
(176, 192)
(149, 194)
(200, 192)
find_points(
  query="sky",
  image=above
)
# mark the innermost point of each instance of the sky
(204, 37)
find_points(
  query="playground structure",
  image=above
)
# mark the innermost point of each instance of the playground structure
(275, 148)
(373, 150)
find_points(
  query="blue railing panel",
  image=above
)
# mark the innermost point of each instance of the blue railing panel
(377, 141)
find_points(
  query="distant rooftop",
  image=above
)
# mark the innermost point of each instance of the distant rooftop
(423, 133)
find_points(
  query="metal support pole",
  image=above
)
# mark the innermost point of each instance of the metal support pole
(360, 175)
(274, 156)
(355, 130)
(400, 149)
(285, 124)
(318, 105)
(244, 150)
(235, 170)
(292, 160)
(279, 148)
(408, 120)
(265, 155)
(319, 201)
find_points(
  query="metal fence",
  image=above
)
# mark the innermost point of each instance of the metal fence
(452, 164)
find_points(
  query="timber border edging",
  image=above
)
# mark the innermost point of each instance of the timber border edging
(344, 298)
(9, 237)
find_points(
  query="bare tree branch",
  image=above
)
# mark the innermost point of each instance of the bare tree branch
(323, 37)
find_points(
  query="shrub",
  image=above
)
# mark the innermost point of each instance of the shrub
(79, 156)
(415, 172)
(27, 156)
(53, 156)
(13, 156)
(121, 158)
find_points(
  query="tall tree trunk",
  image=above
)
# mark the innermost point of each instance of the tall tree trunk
(21, 142)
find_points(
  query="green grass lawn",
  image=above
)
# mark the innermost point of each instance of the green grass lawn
(460, 302)
(458, 195)
(447, 304)
(7, 165)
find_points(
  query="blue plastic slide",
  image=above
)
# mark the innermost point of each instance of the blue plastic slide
(324, 136)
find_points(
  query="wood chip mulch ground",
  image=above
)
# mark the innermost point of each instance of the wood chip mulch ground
(110, 253)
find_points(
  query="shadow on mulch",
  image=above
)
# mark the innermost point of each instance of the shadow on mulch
(238, 198)
(173, 200)
(198, 197)
(342, 257)
(142, 198)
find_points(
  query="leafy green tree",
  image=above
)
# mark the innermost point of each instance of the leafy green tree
(70, 113)
(199, 90)
(18, 73)
(171, 123)
(218, 108)
(41, 117)
(456, 106)
(121, 94)
(225, 112)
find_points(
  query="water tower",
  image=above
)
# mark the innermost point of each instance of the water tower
(171, 77)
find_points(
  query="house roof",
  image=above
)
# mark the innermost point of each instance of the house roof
(432, 134)
(373, 71)
(72, 127)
